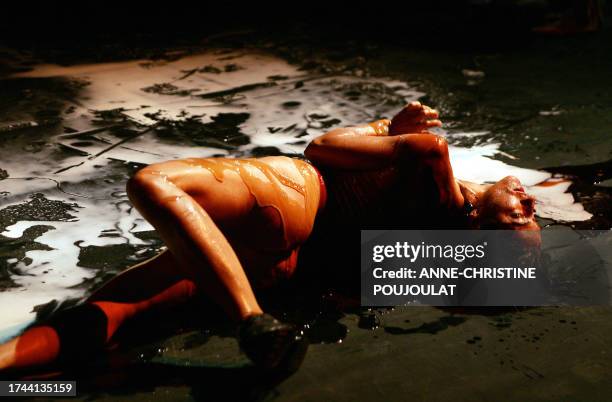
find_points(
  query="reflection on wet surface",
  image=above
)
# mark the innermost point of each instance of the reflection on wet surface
(71, 136)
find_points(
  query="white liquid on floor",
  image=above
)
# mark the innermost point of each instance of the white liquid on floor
(55, 273)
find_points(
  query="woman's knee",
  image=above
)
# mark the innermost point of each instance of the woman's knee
(144, 182)
(150, 189)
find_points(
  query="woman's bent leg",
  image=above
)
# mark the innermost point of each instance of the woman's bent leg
(201, 249)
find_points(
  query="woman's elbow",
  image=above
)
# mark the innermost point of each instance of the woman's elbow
(438, 148)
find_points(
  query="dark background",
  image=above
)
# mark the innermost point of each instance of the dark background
(83, 26)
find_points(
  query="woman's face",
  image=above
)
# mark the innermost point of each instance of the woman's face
(505, 205)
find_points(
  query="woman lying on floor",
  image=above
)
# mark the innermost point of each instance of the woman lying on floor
(234, 225)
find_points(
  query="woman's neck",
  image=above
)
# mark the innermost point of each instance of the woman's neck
(472, 192)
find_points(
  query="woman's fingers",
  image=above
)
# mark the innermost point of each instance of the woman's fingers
(430, 113)
(416, 109)
(425, 125)
(414, 118)
(415, 105)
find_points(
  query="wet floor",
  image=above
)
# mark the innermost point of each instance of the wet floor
(73, 131)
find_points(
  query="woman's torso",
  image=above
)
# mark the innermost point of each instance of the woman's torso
(267, 231)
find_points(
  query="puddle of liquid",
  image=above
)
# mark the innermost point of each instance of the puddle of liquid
(171, 109)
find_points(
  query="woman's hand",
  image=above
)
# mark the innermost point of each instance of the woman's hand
(414, 118)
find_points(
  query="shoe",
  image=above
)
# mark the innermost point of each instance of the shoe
(272, 344)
